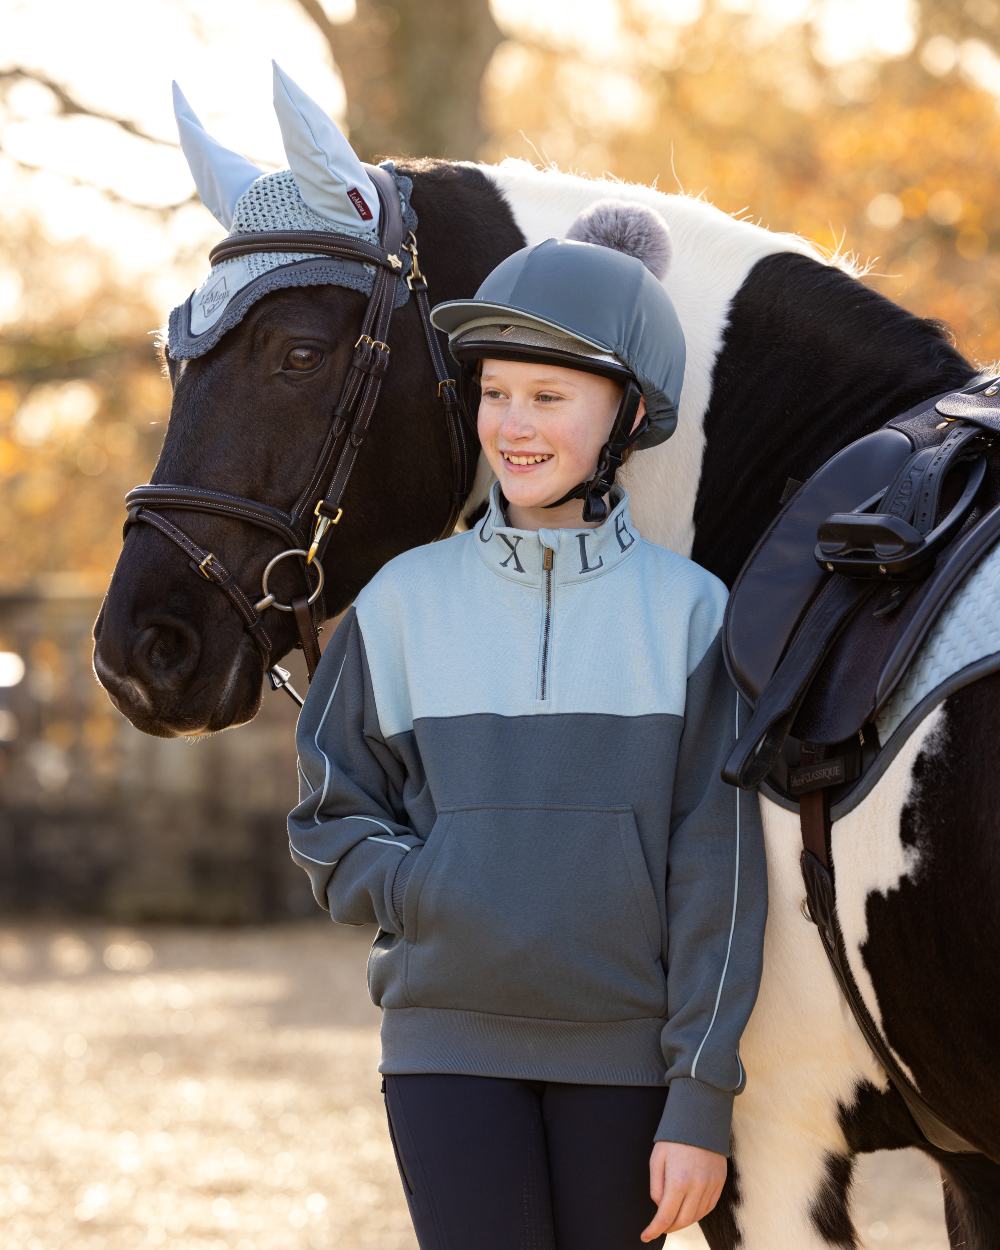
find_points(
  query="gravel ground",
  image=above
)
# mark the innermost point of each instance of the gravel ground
(216, 1089)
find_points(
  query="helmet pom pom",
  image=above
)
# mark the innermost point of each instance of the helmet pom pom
(627, 227)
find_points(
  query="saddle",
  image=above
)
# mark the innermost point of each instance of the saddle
(825, 617)
(841, 590)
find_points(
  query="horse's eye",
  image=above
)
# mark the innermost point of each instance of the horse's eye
(303, 359)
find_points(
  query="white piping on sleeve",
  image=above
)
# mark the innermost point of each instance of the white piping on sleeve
(323, 863)
(732, 922)
(322, 719)
(374, 822)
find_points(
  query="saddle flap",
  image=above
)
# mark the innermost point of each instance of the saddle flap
(781, 576)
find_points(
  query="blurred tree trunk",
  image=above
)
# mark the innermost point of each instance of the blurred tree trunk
(413, 72)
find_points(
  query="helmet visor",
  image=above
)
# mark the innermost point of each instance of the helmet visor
(525, 340)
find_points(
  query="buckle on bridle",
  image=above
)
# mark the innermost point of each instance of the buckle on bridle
(201, 566)
(323, 523)
(415, 274)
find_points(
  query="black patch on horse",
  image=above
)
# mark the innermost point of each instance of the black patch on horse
(830, 1210)
(811, 359)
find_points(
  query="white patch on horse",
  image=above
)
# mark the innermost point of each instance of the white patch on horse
(803, 1054)
(712, 255)
(869, 855)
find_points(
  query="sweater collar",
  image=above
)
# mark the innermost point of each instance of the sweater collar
(579, 553)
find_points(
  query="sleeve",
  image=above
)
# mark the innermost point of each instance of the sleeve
(716, 909)
(346, 832)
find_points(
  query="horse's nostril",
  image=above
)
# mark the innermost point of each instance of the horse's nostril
(166, 652)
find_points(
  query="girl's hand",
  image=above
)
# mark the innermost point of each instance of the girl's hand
(685, 1183)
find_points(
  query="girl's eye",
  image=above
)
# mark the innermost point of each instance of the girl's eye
(491, 393)
(302, 359)
(545, 396)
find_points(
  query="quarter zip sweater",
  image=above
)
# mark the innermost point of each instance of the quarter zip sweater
(509, 761)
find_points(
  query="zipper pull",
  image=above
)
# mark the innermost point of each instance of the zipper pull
(547, 554)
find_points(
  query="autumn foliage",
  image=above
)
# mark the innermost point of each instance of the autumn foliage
(889, 160)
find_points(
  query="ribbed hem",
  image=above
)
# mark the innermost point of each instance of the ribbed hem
(697, 1114)
(478, 1043)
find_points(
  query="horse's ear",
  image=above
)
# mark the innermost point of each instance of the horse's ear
(221, 176)
(328, 173)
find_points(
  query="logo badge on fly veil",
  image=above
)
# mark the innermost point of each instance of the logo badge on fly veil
(358, 200)
(213, 300)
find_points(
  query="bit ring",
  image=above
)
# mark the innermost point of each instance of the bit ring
(269, 600)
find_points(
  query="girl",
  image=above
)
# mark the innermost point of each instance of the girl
(510, 759)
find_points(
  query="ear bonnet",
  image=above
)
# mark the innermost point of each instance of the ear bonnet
(326, 189)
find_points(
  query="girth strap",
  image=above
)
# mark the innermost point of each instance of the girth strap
(819, 879)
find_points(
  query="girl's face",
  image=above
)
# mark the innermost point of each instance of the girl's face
(555, 418)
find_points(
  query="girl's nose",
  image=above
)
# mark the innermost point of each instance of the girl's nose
(517, 422)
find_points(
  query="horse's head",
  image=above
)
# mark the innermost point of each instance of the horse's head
(258, 359)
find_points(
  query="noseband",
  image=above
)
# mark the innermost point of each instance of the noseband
(307, 528)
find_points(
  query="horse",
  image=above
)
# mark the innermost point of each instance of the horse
(790, 356)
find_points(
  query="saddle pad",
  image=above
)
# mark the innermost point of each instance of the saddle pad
(966, 631)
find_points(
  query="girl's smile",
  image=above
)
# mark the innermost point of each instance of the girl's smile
(522, 462)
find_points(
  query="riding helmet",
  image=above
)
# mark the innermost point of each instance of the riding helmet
(592, 301)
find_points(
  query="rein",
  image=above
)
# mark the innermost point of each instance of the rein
(307, 528)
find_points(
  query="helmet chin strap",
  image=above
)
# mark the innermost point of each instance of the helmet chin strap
(592, 491)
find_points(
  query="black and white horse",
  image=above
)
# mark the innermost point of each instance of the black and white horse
(789, 357)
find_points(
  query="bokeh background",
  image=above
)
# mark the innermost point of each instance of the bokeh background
(189, 1053)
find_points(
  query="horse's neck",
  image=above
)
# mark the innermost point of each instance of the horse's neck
(812, 360)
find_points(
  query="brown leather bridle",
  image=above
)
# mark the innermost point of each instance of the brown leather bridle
(307, 527)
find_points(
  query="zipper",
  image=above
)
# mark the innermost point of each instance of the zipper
(548, 556)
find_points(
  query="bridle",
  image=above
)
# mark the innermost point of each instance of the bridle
(307, 527)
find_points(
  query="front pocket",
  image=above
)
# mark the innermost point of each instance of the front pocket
(535, 911)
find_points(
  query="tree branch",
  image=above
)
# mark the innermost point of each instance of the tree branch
(163, 210)
(70, 106)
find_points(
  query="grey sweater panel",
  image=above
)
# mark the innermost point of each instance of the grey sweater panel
(564, 888)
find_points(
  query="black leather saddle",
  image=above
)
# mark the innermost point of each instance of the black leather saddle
(840, 591)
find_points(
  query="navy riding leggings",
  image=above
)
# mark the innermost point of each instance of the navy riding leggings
(505, 1164)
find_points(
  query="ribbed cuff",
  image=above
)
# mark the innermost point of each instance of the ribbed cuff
(697, 1114)
(399, 880)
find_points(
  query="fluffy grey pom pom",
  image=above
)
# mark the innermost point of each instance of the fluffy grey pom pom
(627, 227)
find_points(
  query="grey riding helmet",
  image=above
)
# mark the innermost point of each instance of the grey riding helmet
(586, 305)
